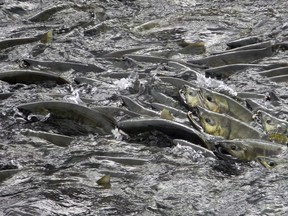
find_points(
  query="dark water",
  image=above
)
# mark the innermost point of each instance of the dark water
(163, 180)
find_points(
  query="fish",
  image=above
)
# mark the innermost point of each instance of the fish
(221, 103)
(274, 72)
(245, 41)
(225, 71)
(120, 53)
(260, 45)
(224, 126)
(171, 128)
(279, 79)
(250, 149)
(235, 57)
(271, 162)
(4, 96)
(176, 112)
(11, 42)
(30, 76)
(155, 59)
(47, 13)
(56, 139)
(190, 96)
(272, 124)
(163, 98)
(132, 105)
(63, 66)
(92, 121)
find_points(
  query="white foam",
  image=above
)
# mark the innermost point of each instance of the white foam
(214, 84)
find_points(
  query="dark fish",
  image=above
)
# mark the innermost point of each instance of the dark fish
(171, 128)
(7, 43)
(4, 96)
(244, 41)
(80, 80)
(260, 45)
(115, 111)
(64, 66)
(90, 120)
(164, 99)
(275, 72)
(56, 139)
(136, 107)
(155, 59)
(279, 79)
(250, 95)
(30, 76)
(179, 83)
(120, 53)
(176, 112)
(223, 72)
(97, 29)
(242, 56)
(48, 13)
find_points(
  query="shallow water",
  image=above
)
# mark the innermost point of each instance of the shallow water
(152, 177)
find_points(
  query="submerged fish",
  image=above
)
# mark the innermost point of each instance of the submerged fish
(251, 149)
(221, 103)
(90, 120)
(271, 162)
(223, 125)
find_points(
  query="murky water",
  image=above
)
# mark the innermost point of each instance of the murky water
(149, 176)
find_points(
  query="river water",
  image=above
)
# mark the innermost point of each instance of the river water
(163, 179)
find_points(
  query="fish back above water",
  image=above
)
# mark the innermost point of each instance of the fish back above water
(92, 119)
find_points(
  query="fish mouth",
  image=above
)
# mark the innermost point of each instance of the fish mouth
(182, 95)
(193, 121)
(223, 154)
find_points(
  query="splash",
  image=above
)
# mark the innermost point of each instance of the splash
(74, 97)
(217, 85)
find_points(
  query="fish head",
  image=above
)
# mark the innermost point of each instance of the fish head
(189, 95)
(267, 121)
(208, 121)
(236, 149)
(271, 124)
(268, 162)
(209, 100)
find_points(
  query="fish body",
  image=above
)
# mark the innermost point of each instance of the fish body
(225, 126)
(251, 149)
(30, 76)
(221, 103)
(92, 120)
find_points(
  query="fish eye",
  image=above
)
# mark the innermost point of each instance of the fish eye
(233, 147)
(209, 98)
(208, 120)
(268, 121)
(271, 163)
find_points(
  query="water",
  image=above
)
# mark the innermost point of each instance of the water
(155, 178)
